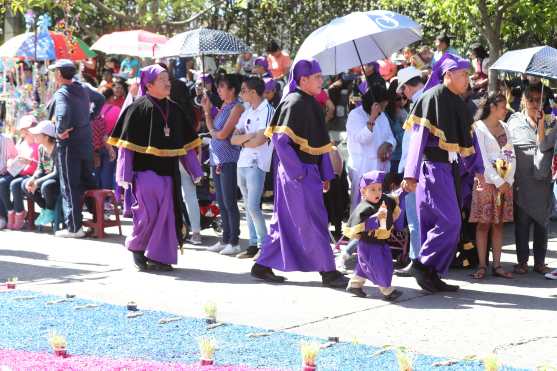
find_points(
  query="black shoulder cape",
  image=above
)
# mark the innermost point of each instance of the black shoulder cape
(301, 118)
(355, 228)
(446, 116)
(140, 128)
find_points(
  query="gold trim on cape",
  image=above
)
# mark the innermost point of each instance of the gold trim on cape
(355, 231)
(435, 131)
(117, 142)
(302, 142)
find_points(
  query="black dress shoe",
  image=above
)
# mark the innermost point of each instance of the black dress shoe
(392, 296)
(405, 272)
(357, 291)
(441, 285)
(140, 260)
(423, 276)
(334, 279)
(265, 273)
(156, 266)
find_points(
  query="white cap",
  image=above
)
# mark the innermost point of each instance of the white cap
(27, 121)
(45, 127)
(405, 75)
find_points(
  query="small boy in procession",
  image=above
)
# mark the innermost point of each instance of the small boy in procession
(371, 223)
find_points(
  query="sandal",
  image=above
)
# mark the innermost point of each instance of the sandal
(499, 272)
(480, 273)
(520, 268)
(542, 269)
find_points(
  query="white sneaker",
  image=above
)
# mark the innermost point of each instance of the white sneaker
(195, 239)
(551, 275)
(218, 247)
(231, 250)
(67, 234)
(3, 223)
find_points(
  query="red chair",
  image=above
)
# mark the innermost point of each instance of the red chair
(31, 214)
(99, 196)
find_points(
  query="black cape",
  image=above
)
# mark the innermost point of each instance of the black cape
(362, 212)
(140, 129)
(447, 117)
(301, 118)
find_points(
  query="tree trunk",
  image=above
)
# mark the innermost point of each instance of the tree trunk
(12, 24)
(495, 51)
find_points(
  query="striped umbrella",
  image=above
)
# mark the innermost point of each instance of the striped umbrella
(50, 46)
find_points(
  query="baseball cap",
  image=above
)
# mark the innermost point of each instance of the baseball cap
(45, 127)
(406, 74)
(27, 121)
(61, 63)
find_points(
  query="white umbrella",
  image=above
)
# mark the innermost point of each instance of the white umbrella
(202, 41)
(358, 38)
(137, 43)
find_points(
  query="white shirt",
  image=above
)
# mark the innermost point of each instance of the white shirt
(491, 151)
(363, 143)
(252, 121)
(407, 135)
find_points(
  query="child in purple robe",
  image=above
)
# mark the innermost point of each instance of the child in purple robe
(371, 223)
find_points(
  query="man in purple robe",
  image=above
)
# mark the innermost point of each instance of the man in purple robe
(442, 141)
(153, 135)
(299, 238)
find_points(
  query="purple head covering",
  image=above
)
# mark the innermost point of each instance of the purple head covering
(303, 67)
(372, 177)
(148, 75)
(270, 84)
(448, 62)
(375, 65)
(262, 62)
(206, 78)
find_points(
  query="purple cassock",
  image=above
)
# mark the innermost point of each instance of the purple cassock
(298, 239)
(442, 142)
(153, 136)
(375, 260)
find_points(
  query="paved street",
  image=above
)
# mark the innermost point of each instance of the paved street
(513, 318)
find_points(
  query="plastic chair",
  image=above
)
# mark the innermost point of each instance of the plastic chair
(31, 214)
(99, 196)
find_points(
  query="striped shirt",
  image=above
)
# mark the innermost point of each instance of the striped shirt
(222, 151)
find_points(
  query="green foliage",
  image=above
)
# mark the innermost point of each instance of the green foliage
(522, 22)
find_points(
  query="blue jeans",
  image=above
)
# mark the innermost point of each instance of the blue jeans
(251, 181)
(5, 200)
(413, 225)
(189, 193)
(225, 186)
(16, 190)
(106, 172)
(46, 194)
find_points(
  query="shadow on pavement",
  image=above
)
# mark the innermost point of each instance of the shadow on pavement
(30, 272)
(468, 299)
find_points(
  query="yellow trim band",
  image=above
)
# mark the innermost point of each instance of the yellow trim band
(354, 232)
(468, 246)
(153, 150)
(302, 142)
(435, 131)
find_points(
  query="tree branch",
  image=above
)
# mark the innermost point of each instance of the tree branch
(99, 4)
(196, 15)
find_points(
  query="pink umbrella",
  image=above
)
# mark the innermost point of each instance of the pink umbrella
(137, 43)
